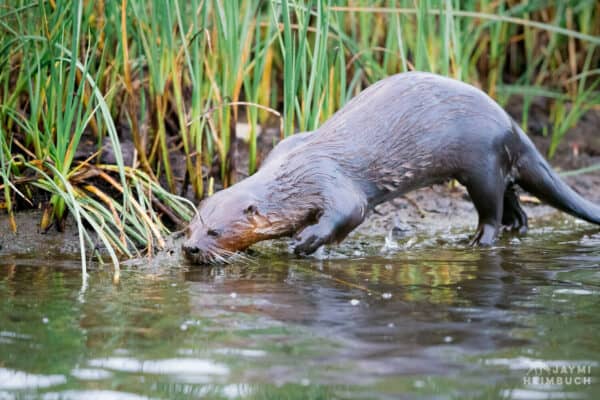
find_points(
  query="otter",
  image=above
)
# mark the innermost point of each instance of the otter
(402, 133)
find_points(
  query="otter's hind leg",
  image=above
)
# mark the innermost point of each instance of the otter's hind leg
(486, 189)
(513, 217)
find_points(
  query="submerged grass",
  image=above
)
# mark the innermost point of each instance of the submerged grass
(80, 78)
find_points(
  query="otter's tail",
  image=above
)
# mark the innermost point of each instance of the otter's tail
(538, 178)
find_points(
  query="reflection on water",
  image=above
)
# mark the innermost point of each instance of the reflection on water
(517, 321)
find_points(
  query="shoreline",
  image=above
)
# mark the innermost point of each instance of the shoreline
(424, 212)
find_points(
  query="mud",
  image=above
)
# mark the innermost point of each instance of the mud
(444, 208)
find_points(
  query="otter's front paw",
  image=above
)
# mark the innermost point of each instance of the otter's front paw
(310, 239)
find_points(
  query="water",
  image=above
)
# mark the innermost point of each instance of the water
(417, 319)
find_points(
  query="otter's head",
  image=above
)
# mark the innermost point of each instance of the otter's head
(229, 221)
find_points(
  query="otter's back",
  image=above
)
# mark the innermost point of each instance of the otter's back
(410, 129)
(410, 105)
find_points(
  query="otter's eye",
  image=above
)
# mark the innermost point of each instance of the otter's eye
(212, 232)
(251, 209)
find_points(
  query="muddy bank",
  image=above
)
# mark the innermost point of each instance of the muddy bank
(445, 208)
(429, 212)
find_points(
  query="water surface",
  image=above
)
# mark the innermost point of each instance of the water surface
(414, 318)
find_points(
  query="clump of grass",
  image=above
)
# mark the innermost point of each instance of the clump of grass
(174, 77)
(58, 100)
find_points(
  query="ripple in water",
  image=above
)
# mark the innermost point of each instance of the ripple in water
(11, 379)
(173, 366)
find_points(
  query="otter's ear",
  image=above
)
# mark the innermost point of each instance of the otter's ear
(251, 210)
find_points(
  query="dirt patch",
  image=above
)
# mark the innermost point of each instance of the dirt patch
(31, 241)
(444, 208)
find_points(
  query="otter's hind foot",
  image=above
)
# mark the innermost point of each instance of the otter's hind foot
(514, 218)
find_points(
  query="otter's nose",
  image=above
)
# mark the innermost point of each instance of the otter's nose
(191, 250)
